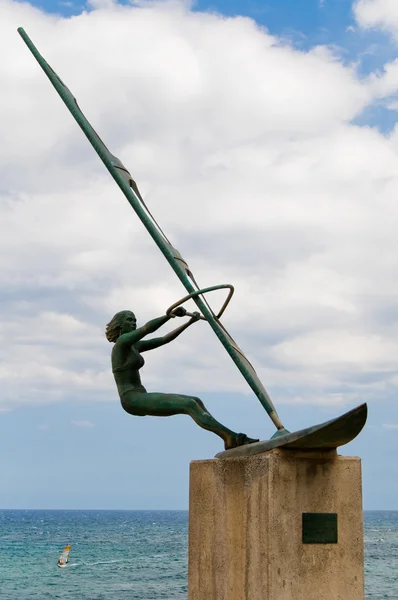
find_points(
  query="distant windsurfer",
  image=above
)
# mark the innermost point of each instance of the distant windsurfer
(129, 344)
(64, 558)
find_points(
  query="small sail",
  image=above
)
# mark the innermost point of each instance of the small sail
(64, 558)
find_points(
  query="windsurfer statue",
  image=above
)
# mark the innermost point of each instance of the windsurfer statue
(128, 346)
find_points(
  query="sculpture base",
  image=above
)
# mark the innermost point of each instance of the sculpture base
(285, 525)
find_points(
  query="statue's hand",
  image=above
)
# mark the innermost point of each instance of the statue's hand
(179, 312)
(195, 317)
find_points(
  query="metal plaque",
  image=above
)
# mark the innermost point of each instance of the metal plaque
(319, 528)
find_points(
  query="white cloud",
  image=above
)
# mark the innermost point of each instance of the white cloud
(245, 153)
(386, 83)
(382, 15)
(377, 14)
(390, 426)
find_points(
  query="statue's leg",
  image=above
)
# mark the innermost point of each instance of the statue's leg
(166, 405)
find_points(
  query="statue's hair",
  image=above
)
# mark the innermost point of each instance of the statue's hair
(112, 330)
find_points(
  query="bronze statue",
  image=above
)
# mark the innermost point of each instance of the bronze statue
(129, 344)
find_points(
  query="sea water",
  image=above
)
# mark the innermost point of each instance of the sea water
(136, 555)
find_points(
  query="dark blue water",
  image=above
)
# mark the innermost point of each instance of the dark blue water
(381, 555)
(119, 555)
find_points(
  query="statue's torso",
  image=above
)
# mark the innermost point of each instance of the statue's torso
(125, 367)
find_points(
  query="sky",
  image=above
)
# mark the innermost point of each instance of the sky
(263, 137)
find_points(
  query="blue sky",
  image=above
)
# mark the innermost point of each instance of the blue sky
(312, 20)
(78, 456)
(303, 24)
(312, 255)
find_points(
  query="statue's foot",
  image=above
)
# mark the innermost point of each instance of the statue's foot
(238, 439)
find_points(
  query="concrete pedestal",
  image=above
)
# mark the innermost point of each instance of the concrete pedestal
(284, 525)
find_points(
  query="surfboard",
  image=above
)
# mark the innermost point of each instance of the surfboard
(324, 436)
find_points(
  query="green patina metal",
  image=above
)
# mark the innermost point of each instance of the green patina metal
(319, 528)
(127, 359)
(325, 436)
(129, 345)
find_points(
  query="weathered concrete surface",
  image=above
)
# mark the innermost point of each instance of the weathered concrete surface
(245, 527)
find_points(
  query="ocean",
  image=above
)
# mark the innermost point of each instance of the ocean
(137, 555)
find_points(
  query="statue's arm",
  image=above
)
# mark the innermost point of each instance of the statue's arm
(133, 337)
(146, 345)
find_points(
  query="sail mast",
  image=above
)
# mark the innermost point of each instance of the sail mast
(125, 182)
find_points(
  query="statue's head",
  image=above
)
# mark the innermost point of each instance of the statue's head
(123, 322)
